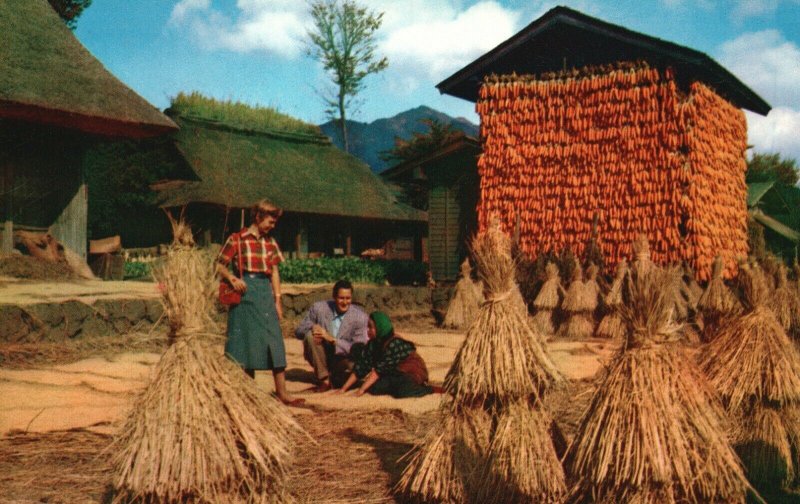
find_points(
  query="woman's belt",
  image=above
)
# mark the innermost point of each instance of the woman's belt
(256, 274)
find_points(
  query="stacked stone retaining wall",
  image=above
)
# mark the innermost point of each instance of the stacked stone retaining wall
(108, 317)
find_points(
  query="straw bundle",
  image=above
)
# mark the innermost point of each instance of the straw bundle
(611, 326)
(785, 302)
(547, 300)
(653, 432)
(755, 368)
(494, 386)
(201, 431)
(717, 302)
(467, 297)
(579, 305)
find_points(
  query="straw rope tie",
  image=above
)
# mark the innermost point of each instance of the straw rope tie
(500, 297)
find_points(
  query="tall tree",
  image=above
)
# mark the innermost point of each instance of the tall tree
(70, 10)
(343, 40)
(771, 167)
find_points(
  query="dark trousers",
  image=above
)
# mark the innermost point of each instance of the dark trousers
(322, 357)
(398, 386)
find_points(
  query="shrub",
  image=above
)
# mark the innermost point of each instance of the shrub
(331, 269)
(137, 271)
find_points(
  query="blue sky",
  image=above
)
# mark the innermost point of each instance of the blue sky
(253, 50)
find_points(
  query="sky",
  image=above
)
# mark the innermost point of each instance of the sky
(254, 51)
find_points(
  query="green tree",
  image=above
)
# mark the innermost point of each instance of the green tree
(70, 10)
(438, 134)
(771, 167)
(343, 40)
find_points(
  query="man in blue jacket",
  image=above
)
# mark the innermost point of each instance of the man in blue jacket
(329, 330)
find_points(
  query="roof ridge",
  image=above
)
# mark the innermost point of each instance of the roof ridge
(268, 132)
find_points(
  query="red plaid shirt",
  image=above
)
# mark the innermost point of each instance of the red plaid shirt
(259, 253)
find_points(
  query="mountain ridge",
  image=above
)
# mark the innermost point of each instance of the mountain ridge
(368, 140)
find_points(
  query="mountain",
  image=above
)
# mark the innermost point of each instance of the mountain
(368, 140)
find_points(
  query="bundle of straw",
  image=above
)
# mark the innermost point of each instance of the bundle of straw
(201, 431)
(467, 297)
(579, 305)
(493, 408)
(756, 370)
(717, 304)
(785, 302)
(611, 326)
(653, 432)
(547, 300)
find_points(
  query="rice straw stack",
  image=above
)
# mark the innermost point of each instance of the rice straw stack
(579, 305)
(756, 370)
(547, 300)
(495, 445)
(611, 326)
(784, 302)
(717, 304)
(201, 431)
(653, 432)
(467, 297)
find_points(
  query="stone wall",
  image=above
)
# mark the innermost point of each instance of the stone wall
(109, 317)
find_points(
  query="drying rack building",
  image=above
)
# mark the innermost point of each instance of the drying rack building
(584, 121)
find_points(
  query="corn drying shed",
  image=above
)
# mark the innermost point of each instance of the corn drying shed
(56, 100)
(583, 120)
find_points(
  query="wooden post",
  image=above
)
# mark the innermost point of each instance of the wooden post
(7, 239)
(348, 244)
(242, 226)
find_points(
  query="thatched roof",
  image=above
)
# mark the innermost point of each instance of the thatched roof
(48, 77)
(563, 36)
(302, 173)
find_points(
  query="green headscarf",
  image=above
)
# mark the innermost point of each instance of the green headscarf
(383, 325)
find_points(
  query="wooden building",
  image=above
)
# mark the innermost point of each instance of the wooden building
(56, 99)
(583, 120)
(333, 204)
(445, 183)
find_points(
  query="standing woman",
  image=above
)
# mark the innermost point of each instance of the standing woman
(255, 340)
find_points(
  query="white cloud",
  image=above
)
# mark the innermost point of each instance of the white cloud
(777, 132)
(750, 8)
(271, 26)
(184, 7)
(766, 62)
(433, 45)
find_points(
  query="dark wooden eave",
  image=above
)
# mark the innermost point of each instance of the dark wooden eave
(458, 144)
(564, 38)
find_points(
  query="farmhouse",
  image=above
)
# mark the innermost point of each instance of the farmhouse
(56, 100)
(584, 121)
(333, 203)
(447, 180)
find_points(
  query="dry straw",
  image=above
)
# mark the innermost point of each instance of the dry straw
(579, 305)
(494, 444)
(611, 326)
(653, 432)
(784, 302)
(755, 368)
(547, 300)
(717, 303)
(201, 431)
(467, 297)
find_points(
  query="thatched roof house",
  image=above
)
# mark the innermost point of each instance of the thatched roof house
(586, 121)
(331, 199)
(445, 182)
(55, 98)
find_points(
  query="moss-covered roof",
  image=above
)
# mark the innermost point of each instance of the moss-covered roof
(298, 172)
(238, 114)
(48, 77)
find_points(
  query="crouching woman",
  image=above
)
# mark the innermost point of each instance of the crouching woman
(388, 364)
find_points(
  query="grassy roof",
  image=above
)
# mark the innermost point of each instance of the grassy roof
(238, 114)
(47, 76)
(298, 172)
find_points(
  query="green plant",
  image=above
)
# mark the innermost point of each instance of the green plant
(137, 271)
(331, 269)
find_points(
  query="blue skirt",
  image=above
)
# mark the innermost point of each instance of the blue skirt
(255, 340)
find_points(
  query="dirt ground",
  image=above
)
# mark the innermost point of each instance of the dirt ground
(61, 406)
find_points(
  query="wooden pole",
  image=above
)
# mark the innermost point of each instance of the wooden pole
(7, 239)
(348, 247)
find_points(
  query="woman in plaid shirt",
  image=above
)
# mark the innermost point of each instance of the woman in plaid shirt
(255, 340)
